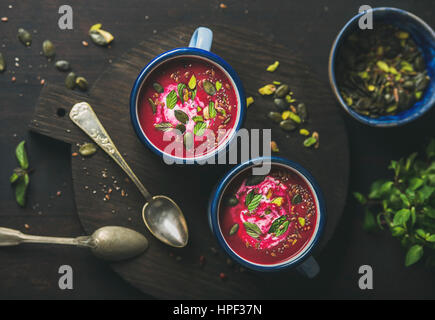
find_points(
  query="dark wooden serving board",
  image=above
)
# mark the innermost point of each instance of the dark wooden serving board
(176, 273)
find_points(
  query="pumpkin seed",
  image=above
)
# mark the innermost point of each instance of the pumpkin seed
(48, 49)
(275, 116)
(288, 125)
(2, 63)
(181, 127)
(100, 36)
(209, 88)
(82, 83)
(181, 116)
(163, 126)
(70, 80)
(297, 198)
(310, 142)
(231, 201)
(249, 101)
(87, 149)
(62, 65)
(302, 111)
(158, 87)
(282, 91)
(188, 140)
(25, 37)
(281, 104)
(234, 229)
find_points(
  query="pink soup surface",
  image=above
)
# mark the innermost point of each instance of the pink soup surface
(275, 218)
(186, 78)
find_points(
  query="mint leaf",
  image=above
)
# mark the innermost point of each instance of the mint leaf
(198, 119)
(413, 255)
(21, 154)
(211, 110)
(360, 197)
(276, 224)
(369, 223)
(282, 228)
(20, 190)
(249, 197)
(254, 202)
(252, 229)
(401, 217)
(180, 88)
(171, 99)
(199, 128)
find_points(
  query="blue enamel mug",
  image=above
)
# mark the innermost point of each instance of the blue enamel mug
(303, 260)
(199, 48)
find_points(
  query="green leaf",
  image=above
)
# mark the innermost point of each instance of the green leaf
(405, 200)
(163, 126)
(180, 88)
(421, 233)
(429, 212)
(430, 149)
(249, 197)
(369, 222)
(199, 128)
(276, 224)
(171, 99)
(425, 193)
(252, 229)
(397, 231)
(413, 255)
(375, 189)
(14, 177)
(401, 217)
(360, 197)
(181, 116)
(211, 110)
(255, 201)
(431, 238)
(20, 190)
(282, 229)
(410, 160)
(193, 94)
(21, 154)
(415, 183)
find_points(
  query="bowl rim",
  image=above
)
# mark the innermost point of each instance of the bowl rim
(174, 53)
(216, 198)
(374, 122)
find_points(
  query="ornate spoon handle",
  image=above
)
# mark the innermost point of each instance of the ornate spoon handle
(11, 237)
(86, 119)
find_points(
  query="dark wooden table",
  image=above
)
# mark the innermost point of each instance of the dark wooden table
(306, 27)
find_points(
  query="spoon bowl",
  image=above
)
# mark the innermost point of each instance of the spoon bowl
(115, 243)
(165, 221)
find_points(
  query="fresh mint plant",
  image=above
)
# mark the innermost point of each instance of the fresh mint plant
(20, 176)
(405, 205)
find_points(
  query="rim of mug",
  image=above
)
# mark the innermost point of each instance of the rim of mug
(225, 182)
(385, 123)
(188, 52)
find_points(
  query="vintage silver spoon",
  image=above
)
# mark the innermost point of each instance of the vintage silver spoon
(108, 243)
(161, 214)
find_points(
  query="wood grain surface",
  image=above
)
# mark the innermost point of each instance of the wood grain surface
(176, 273)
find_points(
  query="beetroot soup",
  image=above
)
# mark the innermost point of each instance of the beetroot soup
(268, 219)
(192, 96)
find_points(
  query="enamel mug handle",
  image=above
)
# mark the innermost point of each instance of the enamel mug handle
(310, 268)
(202, 39)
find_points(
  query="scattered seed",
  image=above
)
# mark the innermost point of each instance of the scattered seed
(70, 80)
(85, 43)
(62, 65)
(4, 19)
(48, 49)
(25, 37)
(82, 83)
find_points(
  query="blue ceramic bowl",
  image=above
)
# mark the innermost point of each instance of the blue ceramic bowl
(301, 259)
(423, 36)
(199, 47)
